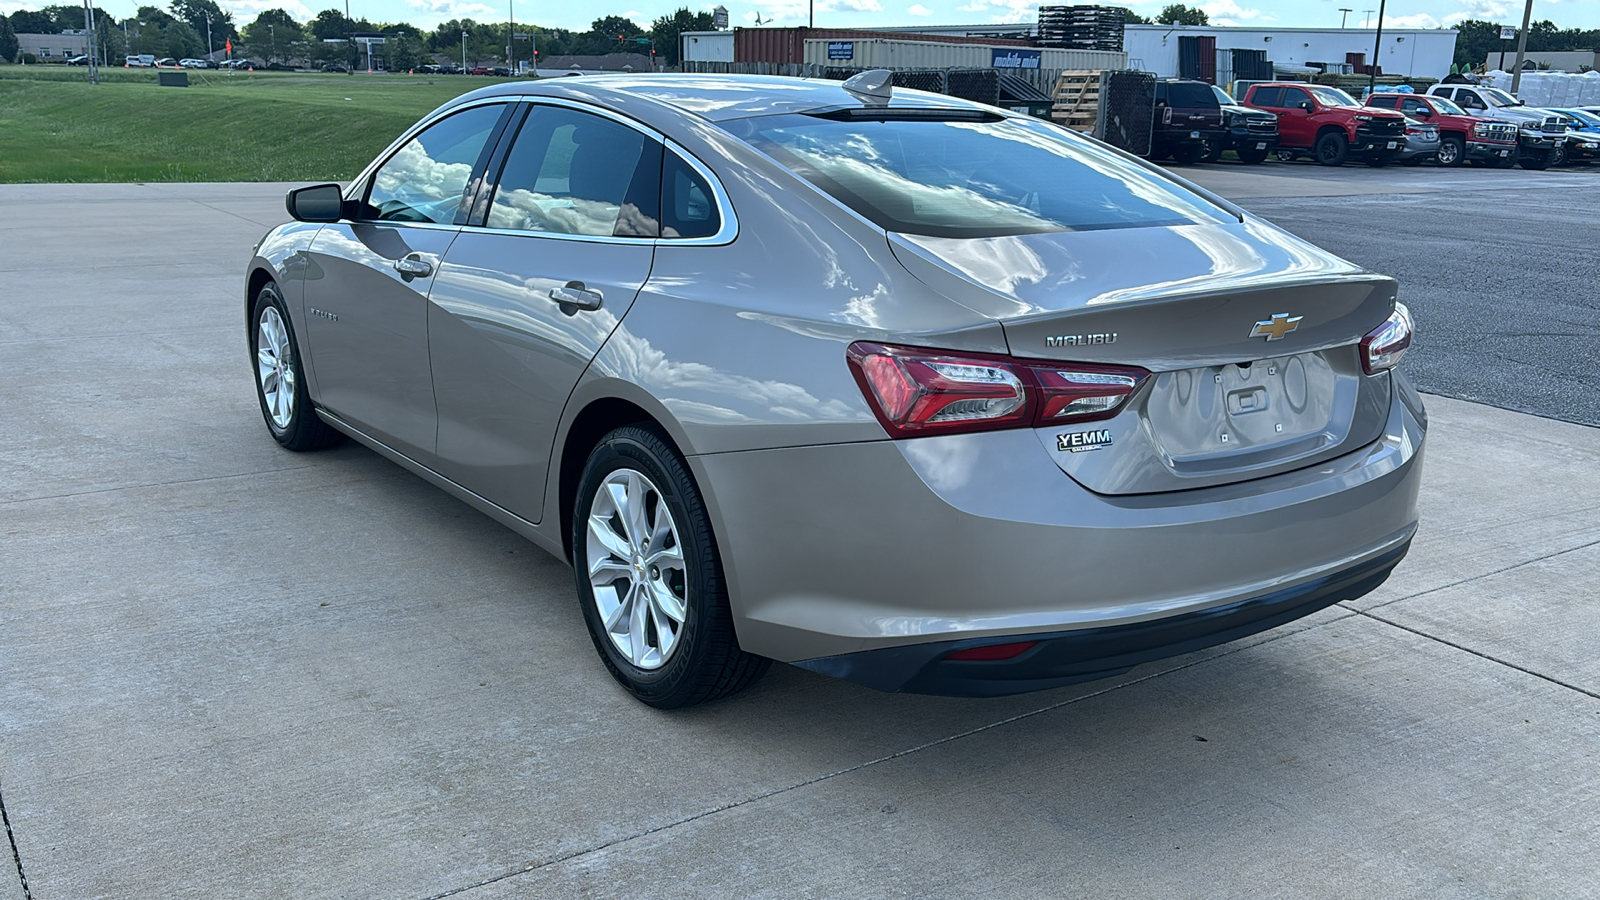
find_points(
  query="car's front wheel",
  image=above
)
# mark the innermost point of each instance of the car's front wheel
(650, 578)
(1332, 149)
(1452, 150)
(280, 377)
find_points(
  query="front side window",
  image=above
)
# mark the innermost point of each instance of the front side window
(1445, 107)
(1293, 97)
(574, 173)
(425, 180)
(967, 175)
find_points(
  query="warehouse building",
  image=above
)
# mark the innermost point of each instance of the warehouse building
(54, 47)
(1210, 53)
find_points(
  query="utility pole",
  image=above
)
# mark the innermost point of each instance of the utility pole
(1522, 47)
(209, 49)
(511, 35)
(88, 27)
(463, 51)
(1346, 15)
(1377, 43)
(273, 30)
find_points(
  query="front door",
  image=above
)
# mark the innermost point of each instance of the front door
(523, 303)
(368, 282)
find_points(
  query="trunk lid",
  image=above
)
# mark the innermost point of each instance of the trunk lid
(1194, 304)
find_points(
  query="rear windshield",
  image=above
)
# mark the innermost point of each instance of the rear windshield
(973, 178)
(1191, 95)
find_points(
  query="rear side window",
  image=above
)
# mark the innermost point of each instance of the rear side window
(574, 173)
(688, 207)
(1191, 95)
(1267, 96)
(973, 177)
(1385, 102)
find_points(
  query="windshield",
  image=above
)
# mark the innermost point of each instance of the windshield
(973, 177)
(1447, 107)
(1584, 118)
(1497, 97)
(1223, 97)
(1332, 97)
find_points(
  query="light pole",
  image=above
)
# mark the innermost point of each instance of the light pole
(463, 51)
(1366, 20)
(88, 27)
(273, 30)
(209, 51)
(511, 35)
(1346, 15)
(1377, 44)
(1522, 47)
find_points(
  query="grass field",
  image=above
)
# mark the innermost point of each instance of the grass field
(244, 126)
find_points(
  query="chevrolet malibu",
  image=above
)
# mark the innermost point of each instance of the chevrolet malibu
(887, 385)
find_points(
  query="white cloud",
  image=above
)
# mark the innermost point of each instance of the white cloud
(917, 9)
(443, 10)
(246, 10)
(1486, 10)
(1227, 12)
(1417, 20)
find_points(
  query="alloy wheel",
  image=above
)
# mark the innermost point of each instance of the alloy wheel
(636, 568)
(274, 368)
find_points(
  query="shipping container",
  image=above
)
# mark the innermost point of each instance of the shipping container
(787, 45)
(902, 54)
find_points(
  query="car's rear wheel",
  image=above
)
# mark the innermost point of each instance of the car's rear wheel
(1536, 161)
(1332, 149)
(1452, 150)
(280, 377)
(650, 578)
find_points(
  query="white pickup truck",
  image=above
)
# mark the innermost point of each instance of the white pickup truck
(1540, 132)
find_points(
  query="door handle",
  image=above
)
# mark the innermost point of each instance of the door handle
(411, 267)
(575, 296)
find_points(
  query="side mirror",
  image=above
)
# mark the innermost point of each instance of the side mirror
(318, 203)
(1423, 113)
(1308, 105)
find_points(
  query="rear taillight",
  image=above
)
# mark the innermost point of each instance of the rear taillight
(917, 392)
(1383, 346)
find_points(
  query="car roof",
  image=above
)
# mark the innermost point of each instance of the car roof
(719, 97)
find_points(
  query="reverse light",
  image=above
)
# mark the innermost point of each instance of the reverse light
(916, 392)
(1383, 346)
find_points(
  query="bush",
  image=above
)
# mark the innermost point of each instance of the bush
(28, 59)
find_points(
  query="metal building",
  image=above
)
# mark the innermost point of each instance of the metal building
(1205, 52)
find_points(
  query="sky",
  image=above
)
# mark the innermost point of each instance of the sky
(869, 13)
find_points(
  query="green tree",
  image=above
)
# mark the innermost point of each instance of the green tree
(404, 52)
(195, 13)
(666, 29)
(1129, 17)
(8, 40)
(271, 35)
(1178, 14)
(27, 22)
(330, 24)
(617, 28)
(1476, 40)
(182, 41)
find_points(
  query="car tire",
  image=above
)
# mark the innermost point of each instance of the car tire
(639, 520)
(1213, 151)
(1452, 152)
(1189, 154)
(1252, 156)
(1506, 162)
(280, 377)
(1332, 149)
(1536, 161)
(1558, 157)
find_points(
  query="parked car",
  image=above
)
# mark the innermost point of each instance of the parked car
(81, 60)
(1540, 133)
(166, 62)
(1583, 136)
(1422, 143)
(1461, 137)
(1252, 134)
(1188, 121)
(1328, 125)
(334, 67)
(890, 385)
(139, 61)
(192, 63)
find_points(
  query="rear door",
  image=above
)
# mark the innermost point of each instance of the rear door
(1295, 124)
(368, 281)
(534, 285)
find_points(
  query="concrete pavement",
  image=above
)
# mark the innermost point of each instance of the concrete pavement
(231, 671)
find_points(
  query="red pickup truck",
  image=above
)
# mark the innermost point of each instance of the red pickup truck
(1328, 125)
(1461, 136)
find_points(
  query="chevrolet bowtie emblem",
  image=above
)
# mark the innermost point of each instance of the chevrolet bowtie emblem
(1276, 327)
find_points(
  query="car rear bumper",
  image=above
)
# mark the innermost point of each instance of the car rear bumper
(1087, 654)
(842, 549)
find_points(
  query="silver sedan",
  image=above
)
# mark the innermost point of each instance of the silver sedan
(891, 386)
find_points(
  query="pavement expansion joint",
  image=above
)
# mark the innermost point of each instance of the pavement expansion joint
(1445, 587)
(575, 854)
(16, 855)
(151, 484)
(1482, 655)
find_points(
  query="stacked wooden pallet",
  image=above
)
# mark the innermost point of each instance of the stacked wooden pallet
(1077, 100)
